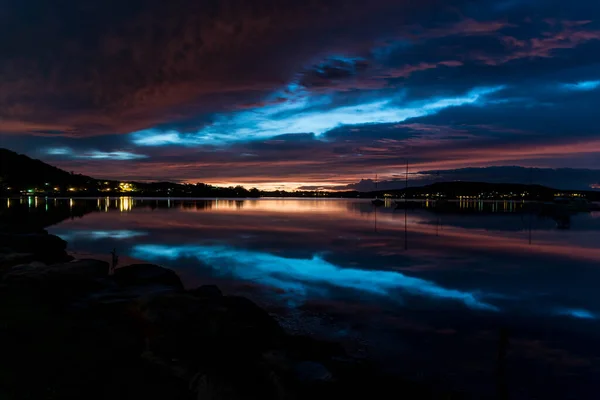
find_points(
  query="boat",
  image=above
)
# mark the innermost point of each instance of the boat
(377, 202)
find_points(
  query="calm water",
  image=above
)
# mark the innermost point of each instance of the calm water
(428, 298)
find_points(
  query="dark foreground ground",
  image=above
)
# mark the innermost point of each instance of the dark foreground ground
(73, 329)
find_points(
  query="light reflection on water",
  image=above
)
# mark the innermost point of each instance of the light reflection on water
(464, 274)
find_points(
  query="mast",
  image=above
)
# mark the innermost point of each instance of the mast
(406, 209)
(530, 188)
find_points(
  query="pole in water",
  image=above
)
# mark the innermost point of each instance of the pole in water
(530, 187)
(375, 219)
(406, 209)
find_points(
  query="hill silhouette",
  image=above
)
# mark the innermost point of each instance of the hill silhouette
(22, 172)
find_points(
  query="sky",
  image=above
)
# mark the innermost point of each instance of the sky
(305, 94)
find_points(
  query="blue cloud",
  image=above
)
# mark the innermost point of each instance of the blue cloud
(577, 313)
(581, 86)
(304, 114)
(299, 274)
(94, 154)
(56, 151)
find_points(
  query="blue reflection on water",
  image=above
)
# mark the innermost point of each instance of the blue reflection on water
(577, 313)
(295, 274)
(97, 235)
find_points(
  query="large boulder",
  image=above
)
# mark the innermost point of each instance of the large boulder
(253, 324)
(56, 282)
(147, 274)
(85, 268)
(312, 372)
(218, 330)
(206, 292)
(45, 248)
(241, 382)
(303, 347)
(11, 259)
(32, 242)
(22, 228)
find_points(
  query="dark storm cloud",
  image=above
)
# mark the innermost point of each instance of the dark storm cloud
(107, 66)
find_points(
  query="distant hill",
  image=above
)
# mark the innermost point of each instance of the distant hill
(463, 188)
(453, 190)
(21, 173)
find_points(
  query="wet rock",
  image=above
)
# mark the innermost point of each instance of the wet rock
(37, 243)
(11, 259)
(241, 382)
(312, 372)
(215, 330)
(59, 282)
(77, 269)
(306, 348)
(180, 326)
(147, 274)
(41, 246)
(22, 228)
(252, 318)
(206, 292)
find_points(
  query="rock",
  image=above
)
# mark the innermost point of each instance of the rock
(143, 381)
(77, 269)
(211, 330)
(250, 315)
(11, 259)
(241, 382)
(306, 348)
(28, 242)
(21, 228)
(215, 387)
(45, 247)
(147, 274)
(312, 372)
(84, 267)
(58, 282)
(206, 291)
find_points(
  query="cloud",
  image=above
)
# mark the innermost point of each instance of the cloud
(94, 154)
(576, 313)
(297, 116)
(129, 68)
(581, 86)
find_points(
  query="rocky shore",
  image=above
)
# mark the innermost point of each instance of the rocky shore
(73, 329)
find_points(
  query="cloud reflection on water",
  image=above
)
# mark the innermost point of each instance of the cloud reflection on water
(577, 313)
(297, 275)
(97, 235)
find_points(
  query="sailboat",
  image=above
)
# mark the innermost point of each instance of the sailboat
(377, 202)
